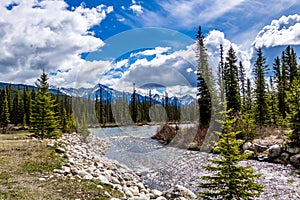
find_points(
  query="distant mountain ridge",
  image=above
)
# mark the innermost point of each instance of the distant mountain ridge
(107, 94)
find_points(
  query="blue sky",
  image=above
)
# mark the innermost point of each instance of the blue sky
(81, 43)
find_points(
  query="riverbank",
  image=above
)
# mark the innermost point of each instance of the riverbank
(27, 172)
(86, 160)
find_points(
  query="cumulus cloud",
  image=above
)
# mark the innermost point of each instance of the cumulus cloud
(284, 31)
(175, 70)
(212, 44)
(136, 8)
(36, 35)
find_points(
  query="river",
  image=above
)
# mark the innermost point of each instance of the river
(163, 166)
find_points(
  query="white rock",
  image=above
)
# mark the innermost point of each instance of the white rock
(160, 198)
(134, 190)
(156, 193)
(88, 177)
(42, 179)
(127, 192)
(247, 146)
(102, 179)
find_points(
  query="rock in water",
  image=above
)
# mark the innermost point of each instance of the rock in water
(165, 135)
(274, 151)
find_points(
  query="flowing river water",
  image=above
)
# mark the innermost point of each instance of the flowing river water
(162, 167)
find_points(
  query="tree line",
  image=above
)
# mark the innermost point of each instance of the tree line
(270, 98)
(37, 108)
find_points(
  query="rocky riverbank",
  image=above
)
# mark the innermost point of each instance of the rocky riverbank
(86, 160)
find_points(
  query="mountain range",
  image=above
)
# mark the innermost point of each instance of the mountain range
(108, 94)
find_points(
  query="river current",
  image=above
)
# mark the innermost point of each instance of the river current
(162, 166)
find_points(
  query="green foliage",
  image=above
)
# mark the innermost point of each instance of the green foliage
(230, 180)
(204, 82)
(233, 98)
(293, 97)
(261, 103)
(4, 111)
(44, 119)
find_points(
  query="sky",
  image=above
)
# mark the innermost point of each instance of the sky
(150, 43)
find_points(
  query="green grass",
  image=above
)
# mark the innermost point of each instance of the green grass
(23, 161)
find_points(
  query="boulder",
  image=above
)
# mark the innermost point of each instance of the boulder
(247, 146)
(292, 150)
(165, 135)
(295, 159)
(179, 192)
(285, 157)
(60, 150)
(274, 151)
(257, 148)
(194, 146)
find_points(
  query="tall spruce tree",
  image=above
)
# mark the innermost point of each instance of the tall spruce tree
(230, 180)
(44, 119)
(293, 96)
(17, 108)
(233, 98)
(27, 104)
(4, 110)
(204, 82)
(261, 103)
(242, 81)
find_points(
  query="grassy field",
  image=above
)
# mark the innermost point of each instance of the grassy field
(23, 162)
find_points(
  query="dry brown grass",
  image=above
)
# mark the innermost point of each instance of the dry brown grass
(24, 161)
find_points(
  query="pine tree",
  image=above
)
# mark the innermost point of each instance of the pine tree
(273, 103)
(248, 100)
(278, 79)
(293, 96)
(133, 105)
(27, 105)
(233, 98)
(261, 104)
(242, 81)
(17, 109)
(4, 111)
(204, 82)
(44, 119)
(230, 180)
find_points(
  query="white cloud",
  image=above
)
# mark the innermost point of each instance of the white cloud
(44, 34)
(150, 52)
(189, 70)
(187, 13)
(136, 8)
(284, 31)
(212, 44)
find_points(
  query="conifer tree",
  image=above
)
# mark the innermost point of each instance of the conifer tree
(261, 104)
(248, 100)
(17, 109)
(4, 110)
(27, 105)
(293, 96)
(230, 180)
(204, 82)
(233, 98)
(242, 81)
(44, 119)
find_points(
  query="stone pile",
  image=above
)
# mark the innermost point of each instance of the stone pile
(283, 154)
(86, 160)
